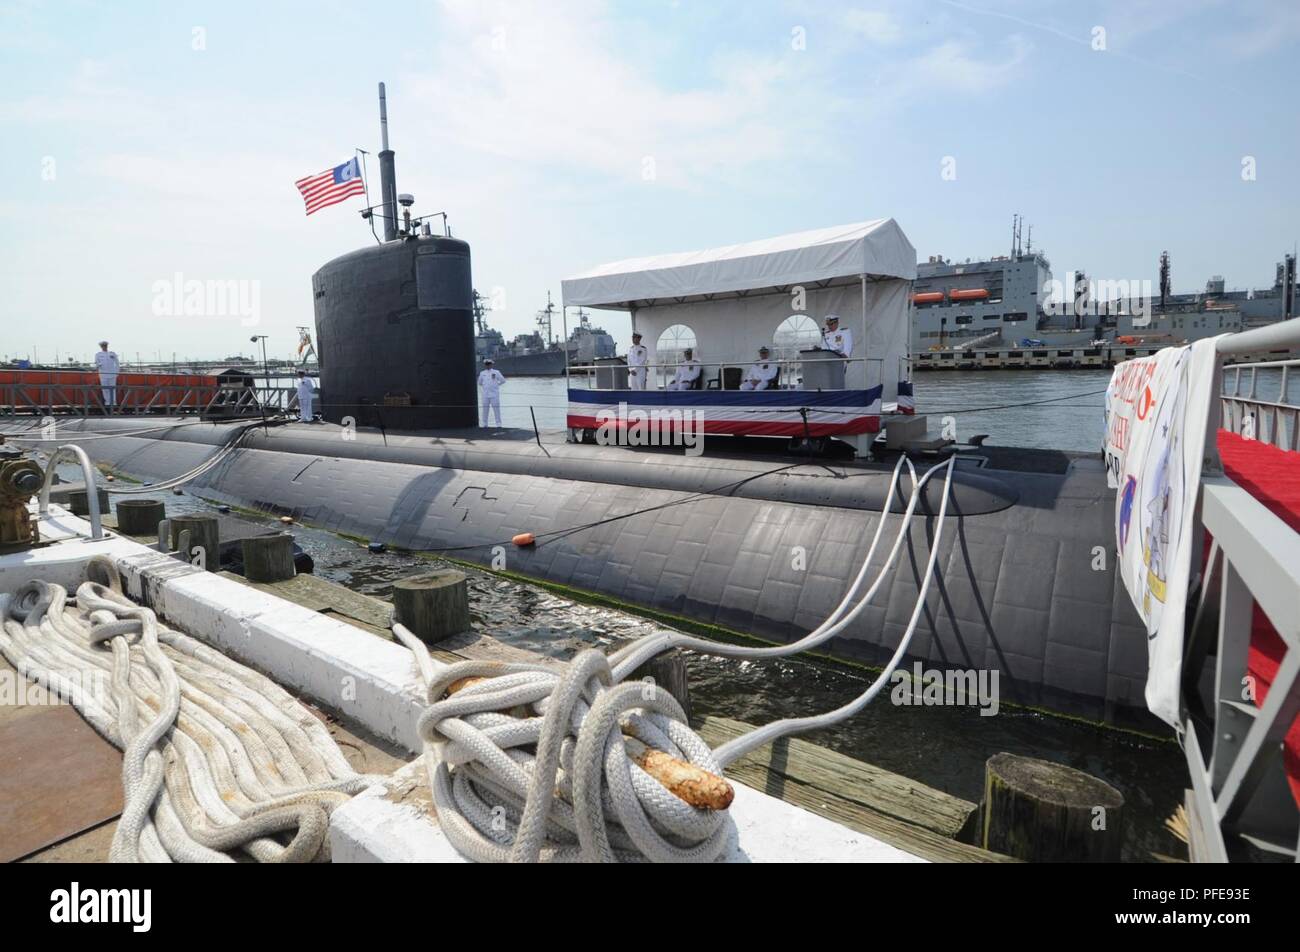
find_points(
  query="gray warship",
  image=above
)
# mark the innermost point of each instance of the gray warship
(539, 353)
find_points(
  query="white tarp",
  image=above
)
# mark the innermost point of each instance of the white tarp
(1157, 412)
(874, 248)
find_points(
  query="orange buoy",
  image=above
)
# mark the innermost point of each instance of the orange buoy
(524, 538)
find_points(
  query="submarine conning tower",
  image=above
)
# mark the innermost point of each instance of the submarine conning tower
(395, 322)
(395, 335)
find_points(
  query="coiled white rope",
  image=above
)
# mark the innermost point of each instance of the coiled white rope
(528, 764)
(216, 757)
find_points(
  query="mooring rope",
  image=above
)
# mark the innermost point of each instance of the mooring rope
(216, 757)
(530, 763)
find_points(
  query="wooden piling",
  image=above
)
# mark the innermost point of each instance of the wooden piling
(268, 558)
(433, 606)
(204, 535)
(1043, 812)
(140, 517)
(79, 502)
(668, 671)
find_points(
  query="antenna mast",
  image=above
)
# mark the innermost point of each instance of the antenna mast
(544, 318)
(387, 172)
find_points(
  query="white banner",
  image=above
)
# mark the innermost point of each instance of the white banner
(1157, 411)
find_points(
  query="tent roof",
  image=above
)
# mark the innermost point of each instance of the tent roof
(878, 249)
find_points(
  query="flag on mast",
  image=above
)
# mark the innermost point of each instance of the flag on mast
(332, 186)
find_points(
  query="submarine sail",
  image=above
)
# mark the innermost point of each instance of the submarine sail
(395, 325)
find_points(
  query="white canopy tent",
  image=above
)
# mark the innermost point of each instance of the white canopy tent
(734, 298)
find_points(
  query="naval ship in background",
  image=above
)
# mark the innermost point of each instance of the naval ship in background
(539, 353)
(997, 312)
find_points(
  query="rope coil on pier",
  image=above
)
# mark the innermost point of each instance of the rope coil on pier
(580, 796)
(527, 763)
(216, 757)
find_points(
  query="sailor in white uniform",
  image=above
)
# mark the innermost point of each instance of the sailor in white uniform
(836, 338)
(490, 380)
(306, 394)
(688, 372)
(763, 374)
(107, 365)
(637, 358)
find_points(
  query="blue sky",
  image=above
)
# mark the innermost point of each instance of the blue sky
(144, 140)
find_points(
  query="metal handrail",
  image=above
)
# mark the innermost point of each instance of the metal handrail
(87, 477)
(1268, 418)
(1283, 334)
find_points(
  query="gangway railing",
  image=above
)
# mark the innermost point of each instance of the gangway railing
(1247, 412)
(1233, 732)
(84, 399)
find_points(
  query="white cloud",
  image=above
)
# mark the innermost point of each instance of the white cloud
(953, 65)
(878, 26)
(524, 85)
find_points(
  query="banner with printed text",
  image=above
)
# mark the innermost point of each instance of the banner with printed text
(1157, 411)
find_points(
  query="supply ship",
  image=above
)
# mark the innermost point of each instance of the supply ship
(980, 313)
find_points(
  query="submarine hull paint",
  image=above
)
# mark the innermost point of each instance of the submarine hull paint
(1017, 592)
(395, 335)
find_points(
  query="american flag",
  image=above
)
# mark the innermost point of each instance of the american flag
(331, 186)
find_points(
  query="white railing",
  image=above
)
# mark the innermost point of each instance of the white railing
(1249, 414)
(1233, 729)
(712, 373)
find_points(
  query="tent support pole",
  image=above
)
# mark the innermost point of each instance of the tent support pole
(866, 382)
(564, 323)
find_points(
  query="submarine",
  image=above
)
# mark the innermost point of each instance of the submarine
(745, 537)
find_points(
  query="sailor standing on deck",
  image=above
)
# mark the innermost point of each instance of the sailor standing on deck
(637, 358)
(107, 365)
(306, 393)
(490, 380)
(837, 339)
(688, 372)
(762, 374)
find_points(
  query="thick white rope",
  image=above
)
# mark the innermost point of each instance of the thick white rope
(527, 763)
(216, 757)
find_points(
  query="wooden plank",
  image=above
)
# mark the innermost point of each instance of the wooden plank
(322, 596)
(917, 840)
(874, 788)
